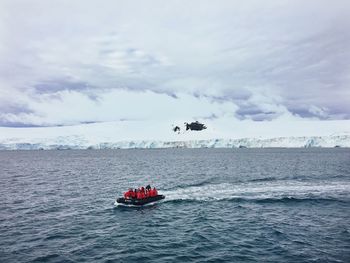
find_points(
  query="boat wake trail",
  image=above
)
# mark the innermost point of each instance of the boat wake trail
(268, 191)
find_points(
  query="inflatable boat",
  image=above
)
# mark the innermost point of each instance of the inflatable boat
(139, 202)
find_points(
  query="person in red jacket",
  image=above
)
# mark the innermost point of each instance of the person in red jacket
(143, 195)
(155, 192)
(129, 194)
(138, 195)
(126, 195)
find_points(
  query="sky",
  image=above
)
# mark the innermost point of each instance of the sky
(66, 63)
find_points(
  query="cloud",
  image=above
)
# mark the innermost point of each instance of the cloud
(59, 108)
(264, 59)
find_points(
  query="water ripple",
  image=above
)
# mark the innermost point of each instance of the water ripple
(222, 205)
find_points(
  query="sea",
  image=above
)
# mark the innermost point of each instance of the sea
(221, 205)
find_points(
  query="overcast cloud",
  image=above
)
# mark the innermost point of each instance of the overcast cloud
(67, 62)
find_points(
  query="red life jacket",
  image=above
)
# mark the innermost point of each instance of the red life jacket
(142, 195)
(138, 195)
(151, 192)
(155, 192)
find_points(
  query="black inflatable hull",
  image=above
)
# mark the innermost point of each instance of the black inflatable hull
(140, 201)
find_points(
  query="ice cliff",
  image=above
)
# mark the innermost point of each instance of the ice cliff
(81, 142)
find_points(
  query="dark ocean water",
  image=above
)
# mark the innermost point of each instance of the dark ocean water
(222, 205)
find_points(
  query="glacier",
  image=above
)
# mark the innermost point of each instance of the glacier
(71, 142)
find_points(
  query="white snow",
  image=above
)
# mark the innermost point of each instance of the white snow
(152, 134)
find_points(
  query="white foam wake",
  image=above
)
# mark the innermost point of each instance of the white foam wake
(260, 190)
